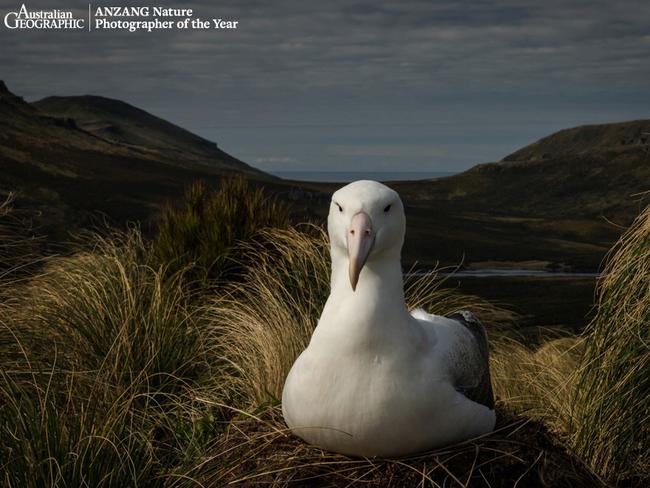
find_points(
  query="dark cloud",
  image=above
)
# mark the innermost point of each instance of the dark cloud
(370, 84)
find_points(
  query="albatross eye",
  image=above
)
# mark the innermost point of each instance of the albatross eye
(340, 208)
(387, 208)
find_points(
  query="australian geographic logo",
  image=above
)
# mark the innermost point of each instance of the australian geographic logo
(132, 19)
(42, 19)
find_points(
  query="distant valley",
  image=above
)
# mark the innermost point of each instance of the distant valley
(561, 201)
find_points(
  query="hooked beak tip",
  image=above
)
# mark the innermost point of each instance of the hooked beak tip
(353, 282)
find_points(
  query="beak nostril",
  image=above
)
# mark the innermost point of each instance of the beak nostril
(352, 231)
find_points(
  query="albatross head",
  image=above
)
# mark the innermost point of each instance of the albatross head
(366, 222)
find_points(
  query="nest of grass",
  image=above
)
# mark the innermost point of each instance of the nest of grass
(260, 451)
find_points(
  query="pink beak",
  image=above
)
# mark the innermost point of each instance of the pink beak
(361, 237)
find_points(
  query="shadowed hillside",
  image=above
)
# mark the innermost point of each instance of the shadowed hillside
(591, 171)
(68, 173)
(119, 122)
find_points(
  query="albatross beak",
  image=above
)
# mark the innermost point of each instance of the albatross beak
(361, 237)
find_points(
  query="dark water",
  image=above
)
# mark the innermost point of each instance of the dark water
(347, 176)
(512, 273)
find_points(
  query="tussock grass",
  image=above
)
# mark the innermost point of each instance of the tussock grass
(98, 377)
(538, 383)
(72, 435)
(265, 320)
(197, 234)
(109, 310)
(612, 396)
(104, 354)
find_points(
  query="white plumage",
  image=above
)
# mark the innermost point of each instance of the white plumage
(375, 379)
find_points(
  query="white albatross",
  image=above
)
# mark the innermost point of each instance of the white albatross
(375, 379)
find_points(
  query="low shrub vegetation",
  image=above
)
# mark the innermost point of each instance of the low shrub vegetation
(197, 234)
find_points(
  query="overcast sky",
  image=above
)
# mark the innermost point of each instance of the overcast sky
(369, 85)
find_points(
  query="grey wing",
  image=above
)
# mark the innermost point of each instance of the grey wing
(472, 370)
